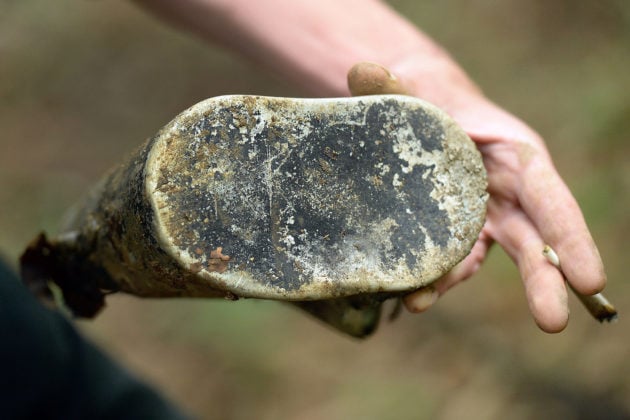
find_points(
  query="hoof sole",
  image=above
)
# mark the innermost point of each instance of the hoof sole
(311, 199)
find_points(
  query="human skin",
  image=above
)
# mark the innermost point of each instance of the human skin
(313, 44)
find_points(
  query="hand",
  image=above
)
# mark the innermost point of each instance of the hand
(529, 204)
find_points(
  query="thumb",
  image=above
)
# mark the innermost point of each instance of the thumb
(366, 78)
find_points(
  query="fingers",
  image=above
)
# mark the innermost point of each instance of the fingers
(367, 78)
(421, 299)
(556, 214)
(544, 285)
(541, 192)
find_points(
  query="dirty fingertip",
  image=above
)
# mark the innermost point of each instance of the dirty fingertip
(421, 300)
(366, 78)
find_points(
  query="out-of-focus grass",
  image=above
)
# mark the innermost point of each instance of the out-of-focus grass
(82, 83)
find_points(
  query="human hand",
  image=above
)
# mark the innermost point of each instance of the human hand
(529, 204)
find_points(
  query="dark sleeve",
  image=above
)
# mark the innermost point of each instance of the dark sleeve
(48, 371)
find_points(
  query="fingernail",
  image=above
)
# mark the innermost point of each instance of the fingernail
(422, 300)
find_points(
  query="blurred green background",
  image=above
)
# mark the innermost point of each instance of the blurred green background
(82, 83)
